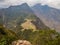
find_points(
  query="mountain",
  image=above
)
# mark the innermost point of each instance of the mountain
(1, 17)
(20, 23)
(50, 16)
(21, 16)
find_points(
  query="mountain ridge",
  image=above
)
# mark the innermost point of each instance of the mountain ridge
(16, 15)
(50, 16)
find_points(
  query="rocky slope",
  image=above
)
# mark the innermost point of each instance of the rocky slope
(50, 16)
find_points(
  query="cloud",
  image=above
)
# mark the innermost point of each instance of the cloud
(52, 3)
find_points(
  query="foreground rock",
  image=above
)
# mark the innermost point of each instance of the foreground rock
(21, 42)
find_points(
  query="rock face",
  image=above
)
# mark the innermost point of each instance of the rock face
(21, 42)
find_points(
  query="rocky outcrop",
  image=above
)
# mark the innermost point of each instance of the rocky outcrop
(21, 42)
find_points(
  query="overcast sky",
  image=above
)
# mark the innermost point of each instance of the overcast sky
(52, 3)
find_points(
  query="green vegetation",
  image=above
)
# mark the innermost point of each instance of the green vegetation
(38, 37)
(6, 36)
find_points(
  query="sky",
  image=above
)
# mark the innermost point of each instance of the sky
(51, 3)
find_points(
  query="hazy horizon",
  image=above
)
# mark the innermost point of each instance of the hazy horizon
(51, 3)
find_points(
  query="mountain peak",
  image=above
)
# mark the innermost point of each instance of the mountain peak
(37, 5)
(24, 4)
(22, 7)
(48, 15)
(40, 5)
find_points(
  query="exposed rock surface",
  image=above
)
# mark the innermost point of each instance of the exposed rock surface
(21, 42)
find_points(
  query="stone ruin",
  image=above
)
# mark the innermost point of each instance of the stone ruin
(21, 42)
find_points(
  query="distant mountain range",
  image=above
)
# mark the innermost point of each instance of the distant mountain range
(39, 15)
(50, 16)
(21, 16)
